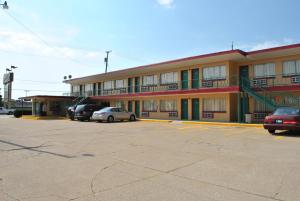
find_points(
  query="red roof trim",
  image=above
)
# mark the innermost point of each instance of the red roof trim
(274, 49)
(177, 92)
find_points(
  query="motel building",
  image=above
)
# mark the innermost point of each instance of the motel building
(222, 86)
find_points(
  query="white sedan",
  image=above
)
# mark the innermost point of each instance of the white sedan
(111, 114)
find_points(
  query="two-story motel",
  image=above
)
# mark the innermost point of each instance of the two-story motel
(222, 86)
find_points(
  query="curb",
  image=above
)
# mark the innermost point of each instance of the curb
(27, 117)
(206, 123)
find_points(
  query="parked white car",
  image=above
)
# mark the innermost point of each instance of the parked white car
(6, 111)
(111, 114)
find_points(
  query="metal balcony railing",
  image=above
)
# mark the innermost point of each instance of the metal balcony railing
(273, 81)
(181, 85)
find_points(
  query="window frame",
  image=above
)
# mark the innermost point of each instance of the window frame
(297, 63)
(255, 66)
(166, 110)
(211, 70)
(155, 102)
(213, 105)
(154, 81)
(174, 77)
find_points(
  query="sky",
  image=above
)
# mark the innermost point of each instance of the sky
(49, 39)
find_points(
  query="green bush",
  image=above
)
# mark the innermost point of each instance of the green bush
(18, 113)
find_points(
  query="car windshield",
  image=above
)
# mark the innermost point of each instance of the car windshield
(80, 107)
(287, 111)
(107, 109)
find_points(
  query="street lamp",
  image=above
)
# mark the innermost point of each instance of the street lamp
(4, 5)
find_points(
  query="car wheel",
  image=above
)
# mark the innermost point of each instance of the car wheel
(132, 118)
(110, 119)
(271, 131)
(10, 113)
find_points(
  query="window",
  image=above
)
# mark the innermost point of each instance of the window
(291, 68)
(88, 87)
(120, 104)
(168, 106)
(169, 78)
(214, 105)
(120, 84)
(214, 73)
(264, 70)
(108, 85)
(75, 88)
(150, 80)
(150, 106)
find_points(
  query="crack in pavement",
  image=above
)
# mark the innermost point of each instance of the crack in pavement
(36, 150)
(228, 188)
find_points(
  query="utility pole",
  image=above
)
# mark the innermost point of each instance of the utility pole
(106, 60)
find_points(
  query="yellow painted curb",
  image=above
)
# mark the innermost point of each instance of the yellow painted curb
(224, 124)
(206, 123)
(29, 117)
(156, 120)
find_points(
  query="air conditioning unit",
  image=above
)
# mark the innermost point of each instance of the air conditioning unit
(208, 115)
(208, 83)
(173, 87)
(295, 80)
(145, 89)
(145, 114)
(173, 114)
(260, 83)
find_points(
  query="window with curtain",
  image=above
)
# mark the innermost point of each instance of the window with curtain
(214, 105)
(214, 73)
(264, 70)
(120, 104)
(291, 68)
(150, 106)
(88, 87)
(108, 85)
(120, 84)
(75, 88)
(150, 80)
(169, 78)
(168, 106)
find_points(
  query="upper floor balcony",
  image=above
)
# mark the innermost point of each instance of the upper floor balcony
(276, 81)
(199, 85)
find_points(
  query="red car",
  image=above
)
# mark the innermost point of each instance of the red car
(285, 118)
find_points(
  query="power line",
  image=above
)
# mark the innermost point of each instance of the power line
(36, 35)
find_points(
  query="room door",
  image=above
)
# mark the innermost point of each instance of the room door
(184, 109)
(195, 109)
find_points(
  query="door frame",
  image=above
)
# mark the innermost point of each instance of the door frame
(198, 110)
(184, 109)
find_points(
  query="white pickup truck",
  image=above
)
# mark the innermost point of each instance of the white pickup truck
(6, 111)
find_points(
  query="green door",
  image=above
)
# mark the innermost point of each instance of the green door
(184, 79)
(137, 109)
(184, 109)
(130, 85)
(195, 78)
(129, 106)
(195, 109)
(137, 85)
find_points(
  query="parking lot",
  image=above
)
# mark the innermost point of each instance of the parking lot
(61, 160)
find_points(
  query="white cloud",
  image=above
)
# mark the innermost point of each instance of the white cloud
(270, 44)
(166, 3)
(25, 43)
